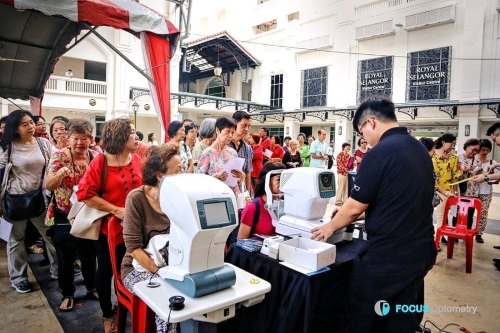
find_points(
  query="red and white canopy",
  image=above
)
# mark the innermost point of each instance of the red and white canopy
(42, 39)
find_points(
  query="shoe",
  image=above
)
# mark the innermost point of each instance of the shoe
(22, 287)
(443, 240)
(497, 265)
(496, 247)
(92, 295)
(53, 275)
(456, 240)
(109, 325)
(77, 270)
(479, 239)
(496, 260)
(35, 249)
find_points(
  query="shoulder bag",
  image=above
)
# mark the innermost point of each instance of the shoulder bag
(85, 220)
(463, 185)
(24, 206)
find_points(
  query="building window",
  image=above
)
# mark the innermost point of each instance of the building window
(277, 91)
(313, 89)
(280, 131)
(428, 75)
(216, 88)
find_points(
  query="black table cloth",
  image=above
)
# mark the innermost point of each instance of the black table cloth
(296, 302)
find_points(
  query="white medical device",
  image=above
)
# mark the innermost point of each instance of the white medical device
(202, 214)
(306, 192)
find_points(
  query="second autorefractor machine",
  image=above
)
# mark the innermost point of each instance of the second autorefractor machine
(306, 192)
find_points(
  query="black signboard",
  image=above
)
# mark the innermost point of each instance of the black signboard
(375, 78)
(428, 75)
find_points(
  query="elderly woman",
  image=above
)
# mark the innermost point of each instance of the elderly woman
(176, 132)
(258, 157)
(292, 157)
(207, 134)
(342, 171)
(58, 133)
(145, 219)
(213, 159)
(360, 152)
(66, 169)
(264, 224)
(29, 157)
(448, 170)
(485, 189)
(123, 174)
(40, 127)
(278, 151)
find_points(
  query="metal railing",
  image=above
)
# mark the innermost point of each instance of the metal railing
(61, 84)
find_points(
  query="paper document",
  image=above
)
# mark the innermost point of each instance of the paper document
(268, 153)
(5, 229)
(235, 163)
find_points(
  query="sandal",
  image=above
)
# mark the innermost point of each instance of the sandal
(67, 304)
(109, 325)
(35, 249)
(93, 295)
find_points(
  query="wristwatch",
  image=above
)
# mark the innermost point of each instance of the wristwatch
(486, 178)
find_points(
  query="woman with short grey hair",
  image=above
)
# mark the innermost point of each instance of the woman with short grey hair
(207, 134)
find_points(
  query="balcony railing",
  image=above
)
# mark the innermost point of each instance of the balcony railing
(63, 84)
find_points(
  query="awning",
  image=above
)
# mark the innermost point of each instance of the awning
(202, 54)
(34, 35)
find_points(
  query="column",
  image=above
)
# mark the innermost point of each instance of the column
(343, 133)
(468, 116)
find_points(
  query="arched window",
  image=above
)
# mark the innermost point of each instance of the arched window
(216, 88)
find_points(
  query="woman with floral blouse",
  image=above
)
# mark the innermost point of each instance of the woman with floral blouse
(213, 159)
(342, 170)
(448, 170)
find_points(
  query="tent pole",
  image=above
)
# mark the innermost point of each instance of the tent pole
(119, 53)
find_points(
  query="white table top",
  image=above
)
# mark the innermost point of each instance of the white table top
(157, 298)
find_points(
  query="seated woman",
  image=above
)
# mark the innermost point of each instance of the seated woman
(264, 224)
(145, 219)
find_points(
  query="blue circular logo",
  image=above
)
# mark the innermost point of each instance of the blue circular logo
(382, 308)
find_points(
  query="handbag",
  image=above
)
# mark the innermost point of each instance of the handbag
(24, 206)
(5, 171)
(463, 185)
(85, 220)
(436, 199)
(243, 197)
(350, 163)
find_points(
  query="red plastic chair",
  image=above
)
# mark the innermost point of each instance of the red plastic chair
(143, 318)
(460, 231)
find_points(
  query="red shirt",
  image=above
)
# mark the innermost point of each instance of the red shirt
(257, 161)
(265, 143)
(278, 152)
(342, 159)
(264, 224)
(119, 182)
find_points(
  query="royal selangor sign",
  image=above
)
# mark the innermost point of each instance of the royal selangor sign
(428, 75)
(375, 78)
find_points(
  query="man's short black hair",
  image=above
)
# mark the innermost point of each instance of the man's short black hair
(140, 135)
(239, 115)
(493, 129)
(380, 109)
(265, 130)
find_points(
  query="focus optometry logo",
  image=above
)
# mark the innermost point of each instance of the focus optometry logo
(382, 308)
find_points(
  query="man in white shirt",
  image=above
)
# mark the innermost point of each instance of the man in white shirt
(329, 152)
(69, 74)
(318, 151)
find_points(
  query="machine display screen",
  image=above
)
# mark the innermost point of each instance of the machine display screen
(216, 213)
(326, 185)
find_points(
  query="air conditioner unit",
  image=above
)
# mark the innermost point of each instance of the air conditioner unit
(430, 18)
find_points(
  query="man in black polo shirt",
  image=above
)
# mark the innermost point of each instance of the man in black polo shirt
(243, 122)
(394, 187)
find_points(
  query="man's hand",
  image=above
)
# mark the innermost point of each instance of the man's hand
(322, 234)
(478, 179)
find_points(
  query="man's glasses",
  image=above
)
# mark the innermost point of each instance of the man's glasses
(42, 124)
(364, 124)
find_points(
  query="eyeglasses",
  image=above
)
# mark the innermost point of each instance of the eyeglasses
(486, 150)
(363, 142)
(364, 124)
(474, 150)
(42, 124)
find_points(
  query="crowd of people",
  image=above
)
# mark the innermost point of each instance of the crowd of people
(117, 173)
